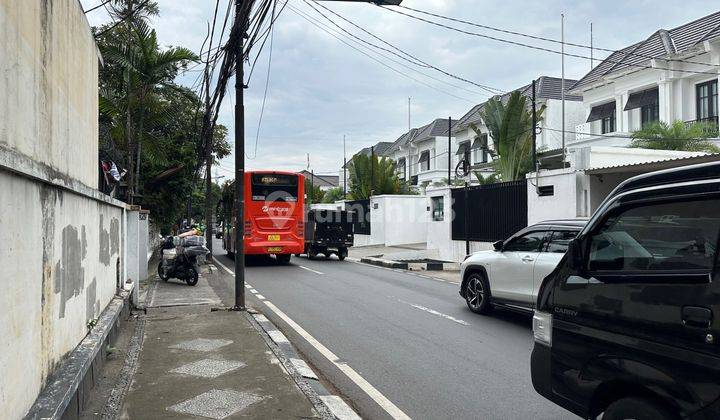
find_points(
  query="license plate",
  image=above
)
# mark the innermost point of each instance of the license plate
(273, 237)
(274, 249)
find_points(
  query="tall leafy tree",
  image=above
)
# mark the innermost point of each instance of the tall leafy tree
(313, 193)
(510, 126)
(362, 183)
(333, 194)
(660, 135)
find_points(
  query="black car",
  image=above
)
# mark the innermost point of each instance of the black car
(626, 325)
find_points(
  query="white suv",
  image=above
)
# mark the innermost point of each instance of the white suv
(511, 275)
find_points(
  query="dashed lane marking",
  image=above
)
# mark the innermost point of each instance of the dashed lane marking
(259, 296)
(363, 384)
(253, 291)
(310, 269)
(434, 312)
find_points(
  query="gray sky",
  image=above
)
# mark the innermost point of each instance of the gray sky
(320, 89)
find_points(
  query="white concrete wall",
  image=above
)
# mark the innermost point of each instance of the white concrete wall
(404, 218)
(552, 119)
(49, 91)
(63, 244)
(564, 203)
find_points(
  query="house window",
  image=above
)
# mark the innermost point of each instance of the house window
(649, 113)
(438, 208)
(400, 168)
(707, 100)
(480, 149)
(424, 161)
(608, 124)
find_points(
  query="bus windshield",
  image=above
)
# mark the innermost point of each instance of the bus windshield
(274, 187)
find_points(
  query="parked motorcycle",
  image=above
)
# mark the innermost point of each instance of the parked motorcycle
(178, 258)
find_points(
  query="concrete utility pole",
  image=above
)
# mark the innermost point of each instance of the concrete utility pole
(449, 148)
(344, 170)
(562, 83)
(241, 20)
(372, 170)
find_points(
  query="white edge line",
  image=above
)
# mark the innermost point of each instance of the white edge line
(370, 390)
(259, 296)
(310, 269)
(223, 266)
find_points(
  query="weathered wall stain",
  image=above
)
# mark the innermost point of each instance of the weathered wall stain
(69, 272)
(104, 242)
(84, 243)
(49, 198)
(114, 236)
(92, 305)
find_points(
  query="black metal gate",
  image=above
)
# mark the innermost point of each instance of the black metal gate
(361, 215)
(495, 211)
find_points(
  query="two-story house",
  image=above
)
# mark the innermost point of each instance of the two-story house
(421, 154)
(548, 93)
(671, 75)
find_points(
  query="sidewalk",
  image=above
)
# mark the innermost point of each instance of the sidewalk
(210, 364)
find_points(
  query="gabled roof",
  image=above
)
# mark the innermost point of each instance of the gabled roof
(381, 149)
(661, 44)
(437, 128)
(322, 180)
(546, 87)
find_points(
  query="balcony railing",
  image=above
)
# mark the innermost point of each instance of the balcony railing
(711, 122)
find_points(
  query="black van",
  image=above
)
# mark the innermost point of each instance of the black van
(628, 323)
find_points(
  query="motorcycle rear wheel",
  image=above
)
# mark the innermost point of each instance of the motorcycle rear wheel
(161, 272)
(193, 279)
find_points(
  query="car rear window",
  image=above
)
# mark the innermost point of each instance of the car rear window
(658, 237)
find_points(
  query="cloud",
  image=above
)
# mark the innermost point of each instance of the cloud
(320, 89)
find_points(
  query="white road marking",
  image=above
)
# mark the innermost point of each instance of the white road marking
(303, 369)
(260, 318)
(278, 337)
(339, 408)
(259, 296)
(253, 291)
(247, 286)
(310, 269)
(434, 312)
(229, 271)
(370, 390)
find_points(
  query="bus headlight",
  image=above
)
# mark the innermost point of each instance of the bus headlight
(542, 328)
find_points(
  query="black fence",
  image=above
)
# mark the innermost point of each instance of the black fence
(495, 211)
(361, 215)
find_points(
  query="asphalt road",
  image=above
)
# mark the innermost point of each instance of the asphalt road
(412, 338)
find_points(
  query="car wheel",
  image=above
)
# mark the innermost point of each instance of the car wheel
(637, 409)
(477, 294)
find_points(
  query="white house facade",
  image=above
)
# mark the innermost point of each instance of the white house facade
(548, 93)
(672, 75)
(421, 154)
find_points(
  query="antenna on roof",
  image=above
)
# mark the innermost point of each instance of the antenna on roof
(591, 46)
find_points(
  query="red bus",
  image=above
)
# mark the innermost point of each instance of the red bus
(274, 215)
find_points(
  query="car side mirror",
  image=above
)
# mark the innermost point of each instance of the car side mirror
(498, 245)
(575, 254)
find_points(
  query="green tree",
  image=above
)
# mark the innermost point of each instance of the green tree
(510, 126)
(660, 135)
(362, 183)
(313, 193)
(333, 194)
(485, 180)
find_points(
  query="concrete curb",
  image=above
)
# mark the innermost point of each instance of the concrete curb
(439, 266)
(67, 386)
(328, 405)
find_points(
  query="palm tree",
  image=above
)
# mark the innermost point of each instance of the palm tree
(510, 127)
(362, 184)
(146, 69)
(660, 135)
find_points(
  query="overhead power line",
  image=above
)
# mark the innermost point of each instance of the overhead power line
(556, 41)
(123, 19)
(330, 32)
(97, 7)
(535, 47)
(412, 59)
